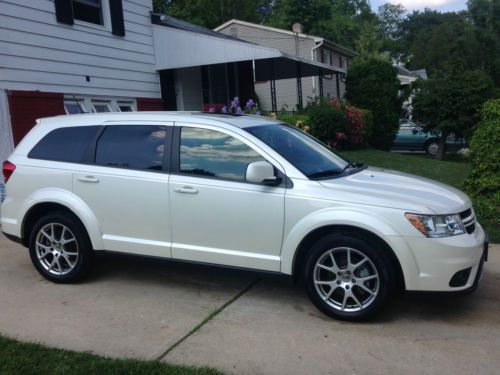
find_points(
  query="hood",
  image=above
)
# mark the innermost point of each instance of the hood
(387, 188)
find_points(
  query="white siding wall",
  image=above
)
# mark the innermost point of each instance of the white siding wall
(38, 53)
(286, 89)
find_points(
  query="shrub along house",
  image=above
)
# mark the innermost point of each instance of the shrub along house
(74, 56)
(293, 92)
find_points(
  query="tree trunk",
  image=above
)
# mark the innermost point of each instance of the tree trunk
(442, 146)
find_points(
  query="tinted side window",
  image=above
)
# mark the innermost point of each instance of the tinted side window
(206, 152)
(132, 146)
(65, 144)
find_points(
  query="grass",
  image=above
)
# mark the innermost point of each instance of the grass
(449, 172)
(26, 358)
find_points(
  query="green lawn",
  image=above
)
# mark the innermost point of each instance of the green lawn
(450, 172)
(25, 358)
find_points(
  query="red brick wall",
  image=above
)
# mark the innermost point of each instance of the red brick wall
(27, 106)
(147, 104)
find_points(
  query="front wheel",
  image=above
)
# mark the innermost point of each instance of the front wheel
(60, 248)
(347, 278)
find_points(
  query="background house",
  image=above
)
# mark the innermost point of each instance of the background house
(305, 46)
(73, 56)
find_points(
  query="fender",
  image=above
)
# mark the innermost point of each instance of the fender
(359, 218)
(71, 202)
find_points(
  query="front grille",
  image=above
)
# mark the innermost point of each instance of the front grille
(469, 220)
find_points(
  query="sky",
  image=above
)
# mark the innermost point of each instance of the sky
(439, 5)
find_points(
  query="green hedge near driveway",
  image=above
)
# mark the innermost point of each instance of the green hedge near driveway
(453, 173)
(26, 358)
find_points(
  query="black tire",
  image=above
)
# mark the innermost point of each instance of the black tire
(66, 268)
(344, 282)
(431, 147)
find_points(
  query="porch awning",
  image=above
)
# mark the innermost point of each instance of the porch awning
(179, 48)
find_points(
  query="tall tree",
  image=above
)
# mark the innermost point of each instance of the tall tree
(391, 18)
(211, 14)
(485, 15)
(342, 21)
(450, 102)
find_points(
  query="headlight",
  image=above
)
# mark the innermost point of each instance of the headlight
(437, 226)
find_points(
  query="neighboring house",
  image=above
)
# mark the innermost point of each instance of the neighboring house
(407, 77)
(305, 46)
(73, 56)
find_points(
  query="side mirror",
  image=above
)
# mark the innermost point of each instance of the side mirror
(262, 172)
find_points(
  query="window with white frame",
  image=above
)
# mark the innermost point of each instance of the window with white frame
(98, 107)
(92, 104)
(73, 107)
(326, 57)
(126, 106)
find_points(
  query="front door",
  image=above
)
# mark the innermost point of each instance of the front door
(218, 217)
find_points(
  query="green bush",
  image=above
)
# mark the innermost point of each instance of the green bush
(483, 184)
(372, 84)
(329, 124)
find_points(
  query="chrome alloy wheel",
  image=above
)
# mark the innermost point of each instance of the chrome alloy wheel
(346, 279)
(56, 249)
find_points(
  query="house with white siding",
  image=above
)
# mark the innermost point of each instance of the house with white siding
(74, 56)
(305, 46)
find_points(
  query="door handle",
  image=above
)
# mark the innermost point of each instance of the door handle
(186, 190)
(91, 179)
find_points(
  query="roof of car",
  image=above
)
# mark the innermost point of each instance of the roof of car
(241, 121)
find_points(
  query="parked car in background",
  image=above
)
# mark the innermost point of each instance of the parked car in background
(238, 191)
(412, 137)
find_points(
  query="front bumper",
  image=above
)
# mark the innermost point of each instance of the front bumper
(437, 261)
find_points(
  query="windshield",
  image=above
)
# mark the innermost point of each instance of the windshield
(304, 152)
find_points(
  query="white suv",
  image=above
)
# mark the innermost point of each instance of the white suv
(239, 191)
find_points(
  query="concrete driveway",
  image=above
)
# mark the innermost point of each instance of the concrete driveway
(259, 324)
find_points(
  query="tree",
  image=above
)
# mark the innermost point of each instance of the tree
(341, 21)
(391, 18)
(450, 103)
(211, 14)
(485, 15)
(372, 84)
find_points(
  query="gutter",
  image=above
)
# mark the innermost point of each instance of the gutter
(312, 58)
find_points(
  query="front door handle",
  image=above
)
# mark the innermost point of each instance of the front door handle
(186, 190)
(91, 179)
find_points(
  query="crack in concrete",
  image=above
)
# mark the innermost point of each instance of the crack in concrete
(209, 317)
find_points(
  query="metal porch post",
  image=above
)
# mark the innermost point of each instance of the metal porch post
(300, 103)
(274, 105)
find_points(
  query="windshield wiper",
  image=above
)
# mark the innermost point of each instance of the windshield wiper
(327, 173)
(352, 164)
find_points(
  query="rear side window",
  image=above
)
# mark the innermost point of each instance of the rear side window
(65, 144)
(132, 146)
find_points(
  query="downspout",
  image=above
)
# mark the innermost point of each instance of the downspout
(312, 58)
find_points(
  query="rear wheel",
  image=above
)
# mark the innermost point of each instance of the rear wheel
(347, 278)
(60, 248)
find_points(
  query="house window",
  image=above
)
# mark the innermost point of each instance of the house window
(74, 107)
(326, 58)
(99, 107)
(126, 107)
(88, 11)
